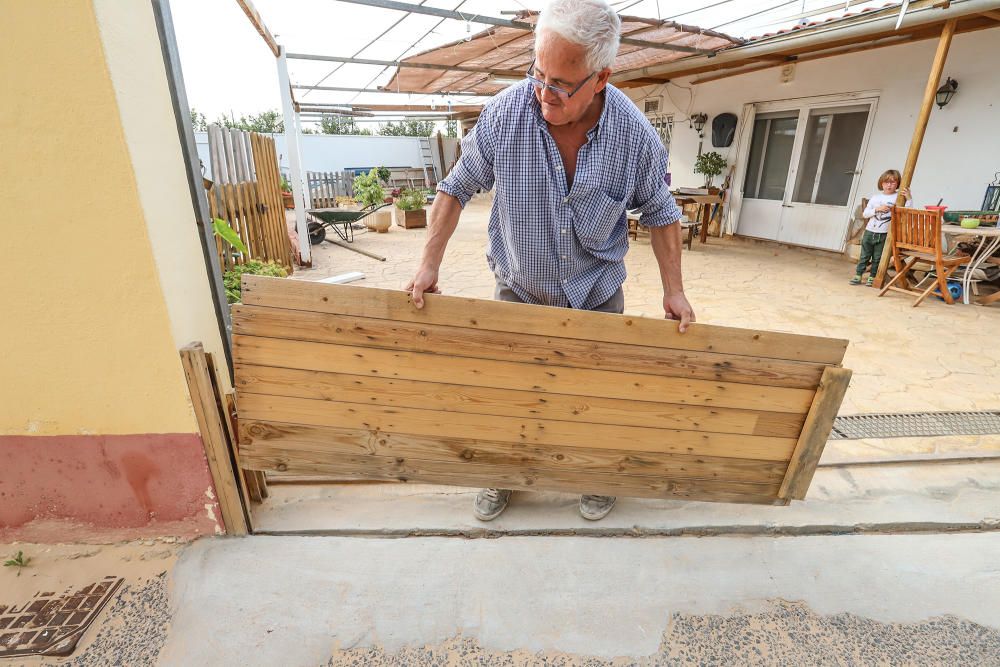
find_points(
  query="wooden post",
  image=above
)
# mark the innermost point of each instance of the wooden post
(933, 81)
(215, 438)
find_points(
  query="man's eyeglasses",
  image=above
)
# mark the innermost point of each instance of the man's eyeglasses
(561, 92)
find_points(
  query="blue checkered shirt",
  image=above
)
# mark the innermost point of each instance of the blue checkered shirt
(552, 244)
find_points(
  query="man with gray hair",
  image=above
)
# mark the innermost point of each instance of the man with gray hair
(568, 154)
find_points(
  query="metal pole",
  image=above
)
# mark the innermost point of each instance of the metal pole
(384, 92)
(294, 157)
(505, 23)
(403, 63)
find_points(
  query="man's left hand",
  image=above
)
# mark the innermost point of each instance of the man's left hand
(676, 307)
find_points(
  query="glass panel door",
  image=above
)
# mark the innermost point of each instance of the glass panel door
(830, 151)
(770, 155)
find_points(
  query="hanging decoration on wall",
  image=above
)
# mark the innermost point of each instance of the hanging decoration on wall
(723, 130)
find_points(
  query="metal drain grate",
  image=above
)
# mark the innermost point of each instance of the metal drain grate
(858, 427)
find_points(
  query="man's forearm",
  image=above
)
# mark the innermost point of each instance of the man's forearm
(666, 242)
(444, 216)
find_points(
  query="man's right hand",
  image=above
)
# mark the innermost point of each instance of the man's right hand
(425, 281)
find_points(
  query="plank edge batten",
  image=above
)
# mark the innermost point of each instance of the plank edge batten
(815, 432)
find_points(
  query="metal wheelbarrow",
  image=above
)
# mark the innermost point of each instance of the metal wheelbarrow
(337, 219)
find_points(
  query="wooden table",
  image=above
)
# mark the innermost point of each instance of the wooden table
(988, 244)
(705, 201)
(688, 228)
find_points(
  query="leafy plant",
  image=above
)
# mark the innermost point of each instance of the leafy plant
(19, 561)
(711, 165)
(285, 185)
(339, 125)
(228, 234)
(232, 279)
(368, 190)
(383, 174)
(408, 128)
(411, 200)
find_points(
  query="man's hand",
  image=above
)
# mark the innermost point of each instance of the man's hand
(676, 307)
(425, 281)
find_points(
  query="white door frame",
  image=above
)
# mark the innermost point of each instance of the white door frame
(745, 135)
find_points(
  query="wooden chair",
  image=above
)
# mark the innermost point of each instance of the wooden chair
(917, 241)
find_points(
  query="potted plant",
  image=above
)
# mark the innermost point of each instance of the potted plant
(232, 279)
(286, 194)
(384, 175)
(409, 210)
(369, 192)
(710, 165)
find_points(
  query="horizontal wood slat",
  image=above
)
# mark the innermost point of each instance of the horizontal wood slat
(508, 477)
(511, 375)
(257, 436)
(510, 429)
(526, 348)
(356, 383)
(487, 400)
(538, 320)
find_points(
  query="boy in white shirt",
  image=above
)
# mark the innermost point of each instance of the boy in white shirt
(878, 213)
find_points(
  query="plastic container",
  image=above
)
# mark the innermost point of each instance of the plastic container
(939, 209)
(969, 223)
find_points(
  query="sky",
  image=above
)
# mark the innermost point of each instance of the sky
(228, 69)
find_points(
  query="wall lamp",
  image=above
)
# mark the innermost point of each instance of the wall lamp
(946, 92)
(698, 121)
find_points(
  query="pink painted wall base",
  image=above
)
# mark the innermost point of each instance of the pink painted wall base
(86, 485)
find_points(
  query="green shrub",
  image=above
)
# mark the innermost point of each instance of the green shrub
(411, 200)
(231, 279)
(711, 165)
(368, 190)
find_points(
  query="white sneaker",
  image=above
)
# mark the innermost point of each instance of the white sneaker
(594, 508)
(490, 503)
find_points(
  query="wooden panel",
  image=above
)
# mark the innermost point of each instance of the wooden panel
(356, 383)
(487, 400)
(509, 477)
(539, 320)
(815, 433)
(512, 375)
(546, 350)
(510, 429)
(258, 436)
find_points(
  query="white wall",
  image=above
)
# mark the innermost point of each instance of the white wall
(327, 152)
(961, 149)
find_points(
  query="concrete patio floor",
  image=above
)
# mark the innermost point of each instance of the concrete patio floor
(883, 563)
(931, 358)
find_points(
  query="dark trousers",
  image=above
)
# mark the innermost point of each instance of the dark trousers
(616, 304)
(872, 244)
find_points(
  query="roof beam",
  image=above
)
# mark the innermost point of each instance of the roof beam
(380, 90)
(995, 15)
(258, 23)
(403, 63)
(506, 23)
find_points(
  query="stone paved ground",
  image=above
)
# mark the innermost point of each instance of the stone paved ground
(935, 357)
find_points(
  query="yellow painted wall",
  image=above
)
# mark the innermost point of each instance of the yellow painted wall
(85, 344)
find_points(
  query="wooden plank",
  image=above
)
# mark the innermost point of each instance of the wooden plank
(509, 477)
(257, 436)
(815, 433)
(930, 92)
(304, 355)
(538, 320)
(214, 438)
(253, 485)
(258, 24)
(511, 429)
(488, 400)
(528, 348)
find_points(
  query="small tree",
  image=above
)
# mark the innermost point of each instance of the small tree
(407, 128)
(198, 121)
(451, 129)
(711, 165)
(341, 125)
(266, 121)
(368, 190)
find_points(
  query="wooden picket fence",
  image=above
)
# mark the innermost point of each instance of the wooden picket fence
(245, 191)
(326, 186)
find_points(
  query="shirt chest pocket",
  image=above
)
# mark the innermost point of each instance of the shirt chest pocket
(597, 220)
